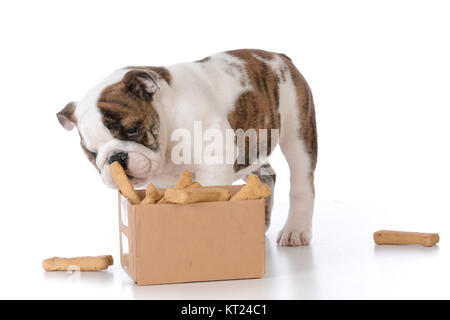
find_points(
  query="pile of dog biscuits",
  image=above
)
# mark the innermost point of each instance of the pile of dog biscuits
(187, 191)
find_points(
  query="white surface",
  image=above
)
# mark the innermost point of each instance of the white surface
(341, 263)
(379, 73)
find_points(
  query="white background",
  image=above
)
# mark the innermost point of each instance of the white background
(379, 72)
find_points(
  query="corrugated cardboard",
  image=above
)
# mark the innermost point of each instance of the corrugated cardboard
(170, 243)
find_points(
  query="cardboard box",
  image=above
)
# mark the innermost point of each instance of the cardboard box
(170, 243)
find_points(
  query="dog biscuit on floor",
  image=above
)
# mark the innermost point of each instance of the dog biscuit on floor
(402, 237)
(78, 263)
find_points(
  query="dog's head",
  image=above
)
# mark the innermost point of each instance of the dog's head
(118, 121)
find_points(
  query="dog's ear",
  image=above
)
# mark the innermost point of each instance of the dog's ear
(67, 116)
(141, 83)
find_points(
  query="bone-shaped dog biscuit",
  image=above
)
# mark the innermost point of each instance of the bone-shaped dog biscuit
(120, 178)
(78, 263)
(191, 186)
(254, 189)
(194, 185)
(401, 237)
(185, 180)
(152, 195)
(183, 196)
(163, 200)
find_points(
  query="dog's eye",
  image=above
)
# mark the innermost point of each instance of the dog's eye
(133, 132)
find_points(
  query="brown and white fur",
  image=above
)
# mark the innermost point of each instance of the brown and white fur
(238, 89)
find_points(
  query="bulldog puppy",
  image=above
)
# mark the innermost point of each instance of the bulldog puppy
(135, 115)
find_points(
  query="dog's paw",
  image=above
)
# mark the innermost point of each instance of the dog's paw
(291, 236)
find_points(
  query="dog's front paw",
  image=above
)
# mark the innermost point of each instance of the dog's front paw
(294, 236)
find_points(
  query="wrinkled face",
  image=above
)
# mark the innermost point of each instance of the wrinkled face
(117, 121)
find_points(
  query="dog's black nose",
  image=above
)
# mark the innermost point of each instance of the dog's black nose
(120, 157)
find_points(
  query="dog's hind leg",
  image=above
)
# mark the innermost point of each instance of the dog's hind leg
(297, 228)
(298, 142)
